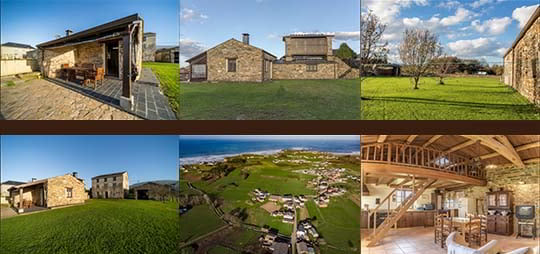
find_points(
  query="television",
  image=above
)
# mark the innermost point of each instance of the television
(525, 212)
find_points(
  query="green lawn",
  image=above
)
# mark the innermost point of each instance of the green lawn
(459, 99)
(99, 226)
(168, 75)
(280, 100)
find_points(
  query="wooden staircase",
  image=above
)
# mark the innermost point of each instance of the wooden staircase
(395, 215)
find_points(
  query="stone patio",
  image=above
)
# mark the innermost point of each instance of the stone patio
(40, 99)
(149, 102)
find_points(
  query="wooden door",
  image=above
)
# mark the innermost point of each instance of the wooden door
(112, 66)
(491, 222)
(501, 227)
(429, 219)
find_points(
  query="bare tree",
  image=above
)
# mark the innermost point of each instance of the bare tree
(371, 46)
(417, 51)
(444, 65)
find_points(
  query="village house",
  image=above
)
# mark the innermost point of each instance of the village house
(115, 185)
(168, 55)
(50, 192)
(154, 191)
(12, 50)
(4, 193)
(521, 66)
(105, 49)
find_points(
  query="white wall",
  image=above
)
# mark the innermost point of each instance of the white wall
(12, 67)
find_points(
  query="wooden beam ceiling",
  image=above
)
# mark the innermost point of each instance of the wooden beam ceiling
(381, 138)
(431, 140)
(518, 149)
(460, 146)
(411, 138)
(501, 145)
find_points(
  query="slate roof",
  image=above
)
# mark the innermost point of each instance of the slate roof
(111, 174)
(12, 183)
(17, 45)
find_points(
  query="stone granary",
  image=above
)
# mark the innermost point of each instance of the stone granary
(154, 190)
(521, 61)
(168, 54)
(307, 56)
(115, 185)
(106, 46)
(149, 47)
(50, 192)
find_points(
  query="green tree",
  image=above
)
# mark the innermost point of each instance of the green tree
(345, 52)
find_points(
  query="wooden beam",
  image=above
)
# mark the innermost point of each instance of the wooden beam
(533, 160)
(528, 146)
(411, 138)
(502, 146)
(381, 138)
(460, 146)
(431, 140)
(384, 168)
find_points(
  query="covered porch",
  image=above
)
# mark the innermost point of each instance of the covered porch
(29, 197)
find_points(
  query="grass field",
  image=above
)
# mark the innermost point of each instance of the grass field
(339, 223)
(459, 99)
(199, 220)
(168, 75)
(280, 100)
(99, 226)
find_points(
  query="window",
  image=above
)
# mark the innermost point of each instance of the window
(401, 195)
(198, 71)
(69, 192)
(231, 65)
(97, 180)
(311, 67)
(114, 185)
(105, 179)
(114, 178)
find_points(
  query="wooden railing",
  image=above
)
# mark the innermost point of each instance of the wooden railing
(417, 156)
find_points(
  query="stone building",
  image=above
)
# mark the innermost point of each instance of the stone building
(307, 56)
(11, 50)
(50, 192)
(232, 60)
(168, 55)
(105, 46)
(4, 193)
(149, 47)
(521, 67)
(115, 185)
(154, 190)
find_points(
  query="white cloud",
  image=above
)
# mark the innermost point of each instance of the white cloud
(190, 48)
(461, 15)
(388, 10)
(449, 4)
(493, 26)
(479, 3)
(479, 47)
(342, 36)
(187, 15)
(522, 14)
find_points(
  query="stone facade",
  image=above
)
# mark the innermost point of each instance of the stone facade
(114, 185)
(154, 191)
(523, 182)
(522, 67)
(52, 192)
(168, 55)
(325, 70)
(149, 47)
(249, 62)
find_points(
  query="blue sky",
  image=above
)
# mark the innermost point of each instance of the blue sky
(36, 21)
(481, 29)
(206, 23)
(144, 157)
(274, 137)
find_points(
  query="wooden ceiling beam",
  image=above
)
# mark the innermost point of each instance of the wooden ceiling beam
(501, 145)
(431, 140)
(381, 138)
(460, 146)
(411, 138)
(528, 146)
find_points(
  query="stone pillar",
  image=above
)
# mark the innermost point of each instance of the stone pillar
(126, 100)
(21, 209)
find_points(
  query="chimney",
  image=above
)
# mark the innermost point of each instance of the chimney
(68, 32)
(74, 174)
(34, 179)
(245, 38)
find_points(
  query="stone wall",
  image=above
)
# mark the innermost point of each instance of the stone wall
(523, 182)
(54, 58)
(344, 71)
(30, 193)
(91, 53)
(120, 58)
(299, 71)
(508, 65)
(249, 62)
(56, 191)
(149, 47)
(526, 65)
(114, 187)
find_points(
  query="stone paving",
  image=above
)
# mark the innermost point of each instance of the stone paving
(6, 212)
(149, 102)
(43, 100)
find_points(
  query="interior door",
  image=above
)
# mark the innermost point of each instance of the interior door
(112, 59)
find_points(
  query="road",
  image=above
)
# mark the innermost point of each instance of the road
(293, 236)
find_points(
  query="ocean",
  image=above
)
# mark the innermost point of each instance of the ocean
(194, 150)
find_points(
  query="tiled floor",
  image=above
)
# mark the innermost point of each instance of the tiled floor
(420, 240)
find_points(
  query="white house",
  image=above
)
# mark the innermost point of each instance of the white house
(4, 193)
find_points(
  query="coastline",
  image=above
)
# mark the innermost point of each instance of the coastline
(221, 157)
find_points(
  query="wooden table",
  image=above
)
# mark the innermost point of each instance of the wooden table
(461, 223)
(73, 71)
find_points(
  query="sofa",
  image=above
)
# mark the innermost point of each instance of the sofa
(489, 248)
